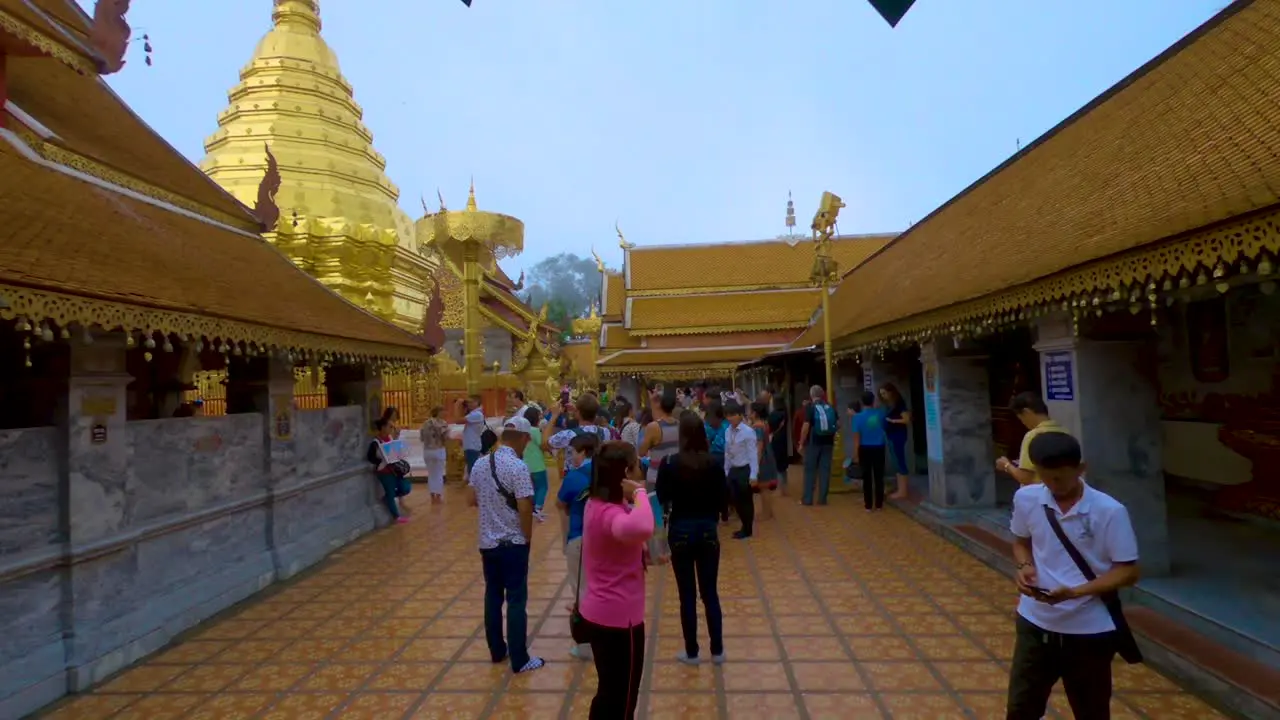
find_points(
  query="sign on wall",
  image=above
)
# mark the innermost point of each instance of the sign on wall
(932, 412)
(1059, 380)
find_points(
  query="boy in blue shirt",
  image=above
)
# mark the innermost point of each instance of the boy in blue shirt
(572, 501)
(869, 439)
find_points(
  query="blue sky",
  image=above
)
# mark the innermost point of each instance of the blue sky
(684, 120)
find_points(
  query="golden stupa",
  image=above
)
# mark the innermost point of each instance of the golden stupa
(339, 214)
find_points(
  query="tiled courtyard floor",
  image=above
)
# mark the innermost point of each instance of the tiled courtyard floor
(830, 613)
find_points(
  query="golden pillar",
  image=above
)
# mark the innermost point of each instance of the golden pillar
(473, 322)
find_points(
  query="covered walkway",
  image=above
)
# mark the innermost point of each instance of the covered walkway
(830, 613)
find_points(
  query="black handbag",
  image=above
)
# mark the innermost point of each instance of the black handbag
(1126, 645)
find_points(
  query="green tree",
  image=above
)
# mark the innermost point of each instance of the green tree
(569, 284)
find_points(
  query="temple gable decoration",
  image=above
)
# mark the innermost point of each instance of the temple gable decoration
(110, 34)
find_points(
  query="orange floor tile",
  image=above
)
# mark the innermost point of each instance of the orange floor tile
(830, 613)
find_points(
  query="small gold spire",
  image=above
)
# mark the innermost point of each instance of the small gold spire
(297, 12)
(471, 196)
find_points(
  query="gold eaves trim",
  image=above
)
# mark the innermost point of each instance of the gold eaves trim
(1139, 279)
(38, 306)
(43, 42)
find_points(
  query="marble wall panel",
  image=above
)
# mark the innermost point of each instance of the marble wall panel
(329, 440)
(183, 465)
(965, 477)
(29, 494)
(31, 624)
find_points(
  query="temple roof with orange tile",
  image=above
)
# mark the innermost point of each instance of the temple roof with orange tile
(84, 241)
(1190, 140)
(84, 123)
(614, 302)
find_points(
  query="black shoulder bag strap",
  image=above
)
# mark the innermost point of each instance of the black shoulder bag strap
(1126, 645)
(506, 494)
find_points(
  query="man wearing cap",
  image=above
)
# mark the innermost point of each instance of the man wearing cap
(501, 487)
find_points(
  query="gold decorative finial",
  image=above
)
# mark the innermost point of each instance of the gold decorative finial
(622, 240)
(791, 213)
(599, 262)
(542, 314)
(471, 197)
(297, 12)
(440, 196)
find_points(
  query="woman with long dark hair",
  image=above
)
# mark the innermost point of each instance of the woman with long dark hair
(617, 523)
(898, 427)
(692, 486)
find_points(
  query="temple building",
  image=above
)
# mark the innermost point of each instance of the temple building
(341, 221)
(127, 517)
(687, 313)
(1122, 267)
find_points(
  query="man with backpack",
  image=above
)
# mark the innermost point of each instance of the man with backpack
(817, 440)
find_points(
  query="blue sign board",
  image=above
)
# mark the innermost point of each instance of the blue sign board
(1059, 378)
(932, 413)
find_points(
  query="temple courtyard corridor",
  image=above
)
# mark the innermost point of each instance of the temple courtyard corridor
(831, 612)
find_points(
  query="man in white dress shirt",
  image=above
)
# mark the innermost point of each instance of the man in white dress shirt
(741, 466)
(1064, 629)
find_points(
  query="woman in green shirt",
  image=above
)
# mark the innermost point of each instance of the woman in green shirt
(536, 462)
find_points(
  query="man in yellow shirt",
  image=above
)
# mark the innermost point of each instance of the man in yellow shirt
(1033, 413)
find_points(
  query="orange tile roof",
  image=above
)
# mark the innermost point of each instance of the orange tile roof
(722, 266)
(72, 237)
(1189, 140)
(90, 120)
(616, 337)
(58, 24)
(723, 312)
(615, 296)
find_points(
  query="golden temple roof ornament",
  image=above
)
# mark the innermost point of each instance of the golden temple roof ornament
(304, 12)
(622, 240)
(599, 262)
(440, 197)
(471, 197)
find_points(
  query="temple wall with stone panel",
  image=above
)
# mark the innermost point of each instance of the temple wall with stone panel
(195, 515)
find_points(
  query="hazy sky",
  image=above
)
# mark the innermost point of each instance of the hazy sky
(684, 120)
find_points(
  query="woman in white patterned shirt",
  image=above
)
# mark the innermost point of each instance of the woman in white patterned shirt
(628, 428)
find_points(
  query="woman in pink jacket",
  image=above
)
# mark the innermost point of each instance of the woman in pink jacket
(617, 524)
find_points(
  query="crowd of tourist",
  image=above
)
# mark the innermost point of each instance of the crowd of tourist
(638, 491)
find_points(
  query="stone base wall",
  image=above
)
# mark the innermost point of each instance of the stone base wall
(196, 525)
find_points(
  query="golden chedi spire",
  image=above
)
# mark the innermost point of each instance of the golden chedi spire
(339, 213)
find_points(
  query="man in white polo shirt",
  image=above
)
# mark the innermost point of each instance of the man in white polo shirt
(1064, 629)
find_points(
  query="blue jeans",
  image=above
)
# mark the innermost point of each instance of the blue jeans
(539, 488)
(817, 471)
(506, 578)
(393, 487)
(470, 457)
(695, 560)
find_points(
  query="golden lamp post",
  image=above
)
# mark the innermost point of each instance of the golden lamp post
(825, 272)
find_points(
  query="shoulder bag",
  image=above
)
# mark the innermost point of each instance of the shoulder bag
(506, 494)
(1126, 646)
